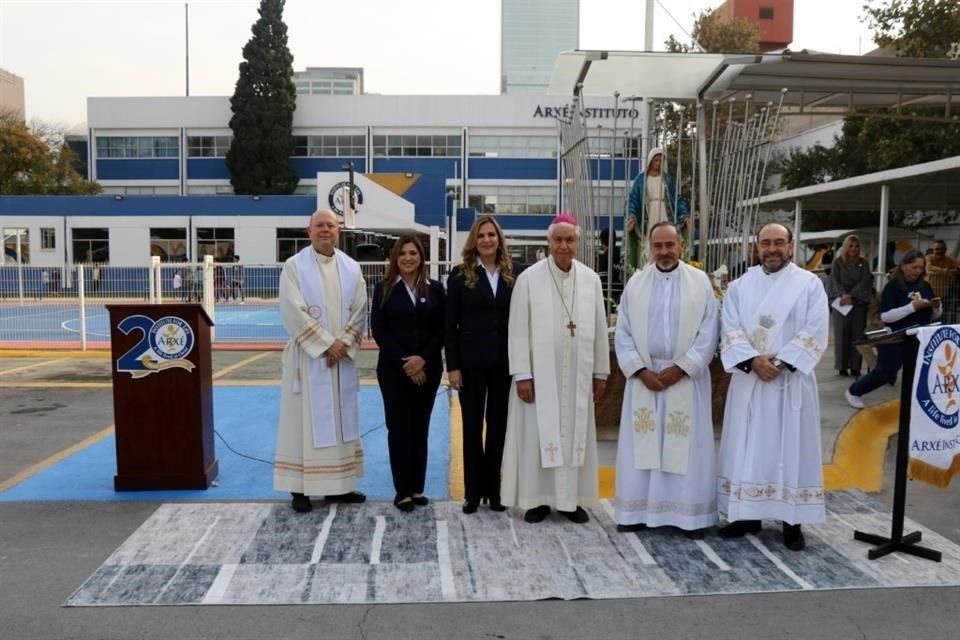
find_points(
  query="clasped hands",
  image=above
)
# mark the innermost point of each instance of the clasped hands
(416, 369)
(763, 366)
(663, 380)
(336, 352)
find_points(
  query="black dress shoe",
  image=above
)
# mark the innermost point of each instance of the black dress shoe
(406, 505)
(470, 506)
(421, 501)
(301, 503)
(793, 537)
(739, 528)
(843, 373)
(696, 534)
(537, 514)
(624, 528)
(496, 505)
(579, 516)
(354, 497)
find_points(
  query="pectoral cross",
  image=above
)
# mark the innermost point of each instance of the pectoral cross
(572, 326)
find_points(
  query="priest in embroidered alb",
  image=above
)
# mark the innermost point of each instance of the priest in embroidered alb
(323, 302)
(559, 359)
(666, 336)
(775, 323)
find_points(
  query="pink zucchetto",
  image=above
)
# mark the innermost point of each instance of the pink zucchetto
(564, 218)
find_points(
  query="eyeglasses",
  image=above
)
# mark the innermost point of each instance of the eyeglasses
(779, 243)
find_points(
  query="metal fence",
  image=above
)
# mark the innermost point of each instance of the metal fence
(42, 307)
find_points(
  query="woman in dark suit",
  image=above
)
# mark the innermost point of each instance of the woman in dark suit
(478, 309)
(407, 321)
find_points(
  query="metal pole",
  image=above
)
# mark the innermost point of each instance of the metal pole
(797, 221)
(648, 26)
(882, 265)
(610, 233)
(186, 30)
(704, 186)
(81, 294)
(20, 267)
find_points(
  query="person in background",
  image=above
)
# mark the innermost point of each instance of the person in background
(407, 319)
(908, 299)
(851, 284)
(943, 273)
(477, 315)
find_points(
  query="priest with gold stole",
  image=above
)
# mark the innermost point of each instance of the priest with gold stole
(323, 304)
(667, 328)
(559, 360)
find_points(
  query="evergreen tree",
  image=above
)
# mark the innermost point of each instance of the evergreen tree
(263, 104)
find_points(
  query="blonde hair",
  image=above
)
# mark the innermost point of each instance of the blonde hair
(845, 246)
(469, 254)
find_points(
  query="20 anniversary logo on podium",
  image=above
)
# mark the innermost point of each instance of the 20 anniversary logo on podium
(164, 344)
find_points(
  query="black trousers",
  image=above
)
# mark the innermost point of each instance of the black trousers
(889, 361)
(407, 410)
(485, 393)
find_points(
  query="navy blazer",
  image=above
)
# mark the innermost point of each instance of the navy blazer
(403, 329)
(477, 322)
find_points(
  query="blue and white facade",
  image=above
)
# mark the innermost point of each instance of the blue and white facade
(161, 162)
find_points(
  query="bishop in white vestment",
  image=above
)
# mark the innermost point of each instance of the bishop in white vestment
(559, 359)
(666, 336)
(323, 303)
(775, 328)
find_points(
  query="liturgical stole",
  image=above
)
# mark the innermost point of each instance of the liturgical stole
(679, 397)
(544, 301)
(322, 394)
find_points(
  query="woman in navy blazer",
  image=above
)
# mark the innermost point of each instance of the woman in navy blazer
(478, 310)
(407, 321)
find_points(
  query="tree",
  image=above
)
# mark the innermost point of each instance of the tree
(30, 166)
(263, 103)
(916, 28)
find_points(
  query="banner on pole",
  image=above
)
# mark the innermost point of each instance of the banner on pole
(935, 407)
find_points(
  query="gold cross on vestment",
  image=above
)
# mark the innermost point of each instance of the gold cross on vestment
(552, 450)
(572, 326)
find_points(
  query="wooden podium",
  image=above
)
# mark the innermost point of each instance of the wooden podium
(162, 396)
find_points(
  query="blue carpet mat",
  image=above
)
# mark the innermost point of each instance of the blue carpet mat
(246, 417)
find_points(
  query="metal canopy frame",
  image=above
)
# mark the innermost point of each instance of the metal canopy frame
(815, 83)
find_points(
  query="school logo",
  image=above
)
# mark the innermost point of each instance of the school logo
(164, 344)
(937, 391)
(335, 197)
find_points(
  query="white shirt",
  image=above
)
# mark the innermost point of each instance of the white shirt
(410, 292)
(492, 278)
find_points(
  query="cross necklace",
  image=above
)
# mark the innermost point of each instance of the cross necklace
(571, 325)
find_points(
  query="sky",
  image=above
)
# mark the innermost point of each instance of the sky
(68, 50)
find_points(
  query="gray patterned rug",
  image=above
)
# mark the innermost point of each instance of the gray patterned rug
(264, 553)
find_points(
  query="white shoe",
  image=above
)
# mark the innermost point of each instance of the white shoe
(854, 401)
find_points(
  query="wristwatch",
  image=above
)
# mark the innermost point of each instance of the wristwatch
(779, 364)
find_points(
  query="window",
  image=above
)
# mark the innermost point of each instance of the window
(208, 146)
(513, 199)
(289, 242)
(600, 147)
(19, 252)
(137, 147)
(169, 244)
(91, 244)
(766, 13)
(210, 190)
(48, 238)
(216, 242)
(417, 145)
(329, 146)
(513, 146)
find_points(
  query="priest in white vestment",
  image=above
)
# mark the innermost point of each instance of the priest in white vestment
(323, 303)
(559, 361)
(666, 336)
(774, 331)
